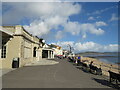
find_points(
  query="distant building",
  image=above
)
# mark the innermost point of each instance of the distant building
(17, 43)
(65, 52)
(57, 49)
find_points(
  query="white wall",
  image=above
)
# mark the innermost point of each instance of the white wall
(58, 51)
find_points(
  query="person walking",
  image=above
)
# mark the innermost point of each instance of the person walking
(76, 60)
(79, 60)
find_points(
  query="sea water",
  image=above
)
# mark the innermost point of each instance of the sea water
(107, 58)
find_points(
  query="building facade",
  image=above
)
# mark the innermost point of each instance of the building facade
(16, 42)
(57, 49)
(47, 52)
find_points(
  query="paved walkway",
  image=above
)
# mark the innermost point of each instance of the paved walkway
(42, 62)
(60, 75)
(4, 71)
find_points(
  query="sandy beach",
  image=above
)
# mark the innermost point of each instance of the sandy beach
(104, 66)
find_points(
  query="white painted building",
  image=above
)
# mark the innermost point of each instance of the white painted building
(57, 49)
(47, 52)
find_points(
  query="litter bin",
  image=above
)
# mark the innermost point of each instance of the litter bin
(15, 63)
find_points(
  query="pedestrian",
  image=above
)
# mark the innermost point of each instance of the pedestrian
(91, 63)
(75, 58)
(78, 60)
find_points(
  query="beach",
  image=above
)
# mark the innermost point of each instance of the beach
(104, 66)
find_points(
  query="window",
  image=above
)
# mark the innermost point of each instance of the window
(3, 53)
(4, 47)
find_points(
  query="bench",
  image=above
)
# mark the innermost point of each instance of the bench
(70, 59)
(83, 65)
(114, 76)
(96, 70)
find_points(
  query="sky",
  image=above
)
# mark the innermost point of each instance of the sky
(86, 26)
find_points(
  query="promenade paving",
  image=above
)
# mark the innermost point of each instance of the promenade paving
(59, 75)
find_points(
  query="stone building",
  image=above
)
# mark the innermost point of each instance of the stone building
(17, 43)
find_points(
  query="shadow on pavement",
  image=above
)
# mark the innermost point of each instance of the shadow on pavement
(84, 69)
(107, 83)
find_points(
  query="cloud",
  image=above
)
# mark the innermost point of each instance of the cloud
(114, 18)
(37, 28)
(88, 46)
(101, 11)
(39, 10)
(100, 23)
(91, 18)
(31, 1)
(45, 17)
(98, 17)
(59, 1)
(72, 27)
(59, 35)
(76, 28)
(94, 18)
(84, 36)
(91, 28)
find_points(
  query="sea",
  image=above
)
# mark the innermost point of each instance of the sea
(110, 58)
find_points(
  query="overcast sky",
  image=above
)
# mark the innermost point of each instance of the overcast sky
(86, 26)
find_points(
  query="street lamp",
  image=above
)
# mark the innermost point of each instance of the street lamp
(70, 48)
(42, 41)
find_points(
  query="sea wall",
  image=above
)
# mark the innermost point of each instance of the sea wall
(104, 66)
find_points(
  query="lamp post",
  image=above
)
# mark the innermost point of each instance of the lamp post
(70, 48)
(42, 41)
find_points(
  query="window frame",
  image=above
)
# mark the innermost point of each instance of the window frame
(4, 51)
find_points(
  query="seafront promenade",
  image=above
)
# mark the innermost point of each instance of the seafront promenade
(59, 74)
